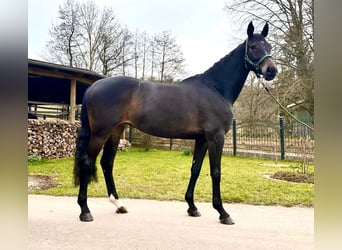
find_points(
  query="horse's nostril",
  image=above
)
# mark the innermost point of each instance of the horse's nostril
(271, 71)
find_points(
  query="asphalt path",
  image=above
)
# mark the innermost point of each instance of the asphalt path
(53, 224)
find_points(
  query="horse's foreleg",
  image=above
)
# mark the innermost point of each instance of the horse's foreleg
(199, 153)
(215, 153)
(107, 161)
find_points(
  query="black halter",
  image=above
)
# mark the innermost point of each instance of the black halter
(255, 65)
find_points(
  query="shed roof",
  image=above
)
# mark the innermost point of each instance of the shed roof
(50, 82)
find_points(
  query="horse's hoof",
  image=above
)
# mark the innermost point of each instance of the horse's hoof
(227, 221)
(121, 210)
(86, 217)
(194, 212)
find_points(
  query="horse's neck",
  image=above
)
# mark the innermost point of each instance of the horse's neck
(229, 74)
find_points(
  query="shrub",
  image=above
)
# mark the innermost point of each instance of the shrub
(187, 151)
(33, 158)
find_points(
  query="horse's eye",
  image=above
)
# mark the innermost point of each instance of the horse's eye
(253, 47)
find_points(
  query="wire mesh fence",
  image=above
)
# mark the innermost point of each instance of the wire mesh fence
(277, 140)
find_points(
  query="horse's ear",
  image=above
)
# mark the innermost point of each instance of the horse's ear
(250, 30)
(264, 32)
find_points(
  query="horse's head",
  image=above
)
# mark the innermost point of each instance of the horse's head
(257, 54)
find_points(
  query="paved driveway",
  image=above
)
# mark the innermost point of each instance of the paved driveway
(54, 224)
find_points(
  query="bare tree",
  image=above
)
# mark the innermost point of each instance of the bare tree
(63, 42)
(140, 53)
(152, 52)
(170, 57)
(136, 52)
(144, 51)
(292, 34)
(91, 34)
(90, 38)
(110, 48)
(127, 52)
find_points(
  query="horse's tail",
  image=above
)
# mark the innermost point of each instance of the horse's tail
(83, 167)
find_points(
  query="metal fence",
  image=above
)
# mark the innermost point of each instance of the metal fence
(260, 139)
(270, 140)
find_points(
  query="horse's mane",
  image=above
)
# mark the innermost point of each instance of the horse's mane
(222, 61)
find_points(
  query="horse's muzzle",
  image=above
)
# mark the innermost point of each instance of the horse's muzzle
(269, 70)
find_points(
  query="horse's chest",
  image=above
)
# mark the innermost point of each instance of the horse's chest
(218, 115)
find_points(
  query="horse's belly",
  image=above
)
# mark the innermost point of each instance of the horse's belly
(168, 127)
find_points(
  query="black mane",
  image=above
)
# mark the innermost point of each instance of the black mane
(228, 74)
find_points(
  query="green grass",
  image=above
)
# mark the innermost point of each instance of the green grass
(164, 175)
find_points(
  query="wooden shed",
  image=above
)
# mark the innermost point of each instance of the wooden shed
(52, 85)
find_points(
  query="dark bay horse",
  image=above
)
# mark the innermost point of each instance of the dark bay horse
(199, 108)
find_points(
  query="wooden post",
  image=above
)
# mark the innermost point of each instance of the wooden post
(72, 100)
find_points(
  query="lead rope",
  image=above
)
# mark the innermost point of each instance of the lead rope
(283, 108)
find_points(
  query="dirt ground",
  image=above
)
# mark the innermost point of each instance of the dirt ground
(40, 182)
(54, 224)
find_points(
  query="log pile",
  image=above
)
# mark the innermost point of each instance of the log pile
(53, 139)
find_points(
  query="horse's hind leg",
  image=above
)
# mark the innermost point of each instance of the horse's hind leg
(88, 173)
(199, 153)
(82, 200)
(107, 162)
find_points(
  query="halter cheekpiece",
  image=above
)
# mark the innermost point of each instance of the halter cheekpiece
(255, 65)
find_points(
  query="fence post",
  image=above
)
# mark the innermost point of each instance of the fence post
(234, 137)
(130, 133)
(282, 138)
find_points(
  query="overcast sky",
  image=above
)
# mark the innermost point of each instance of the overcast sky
(201, 27)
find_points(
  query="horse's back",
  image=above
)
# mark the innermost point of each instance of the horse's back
(110, 86)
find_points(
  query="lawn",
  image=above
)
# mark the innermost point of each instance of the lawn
(164, 175)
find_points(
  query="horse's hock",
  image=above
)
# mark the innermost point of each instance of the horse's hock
(53, 139)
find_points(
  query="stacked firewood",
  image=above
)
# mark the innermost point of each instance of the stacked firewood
(52, 139)
(56, 138)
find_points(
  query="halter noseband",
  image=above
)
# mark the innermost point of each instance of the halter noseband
(255, 66)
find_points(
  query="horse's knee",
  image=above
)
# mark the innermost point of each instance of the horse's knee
(216, 176)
